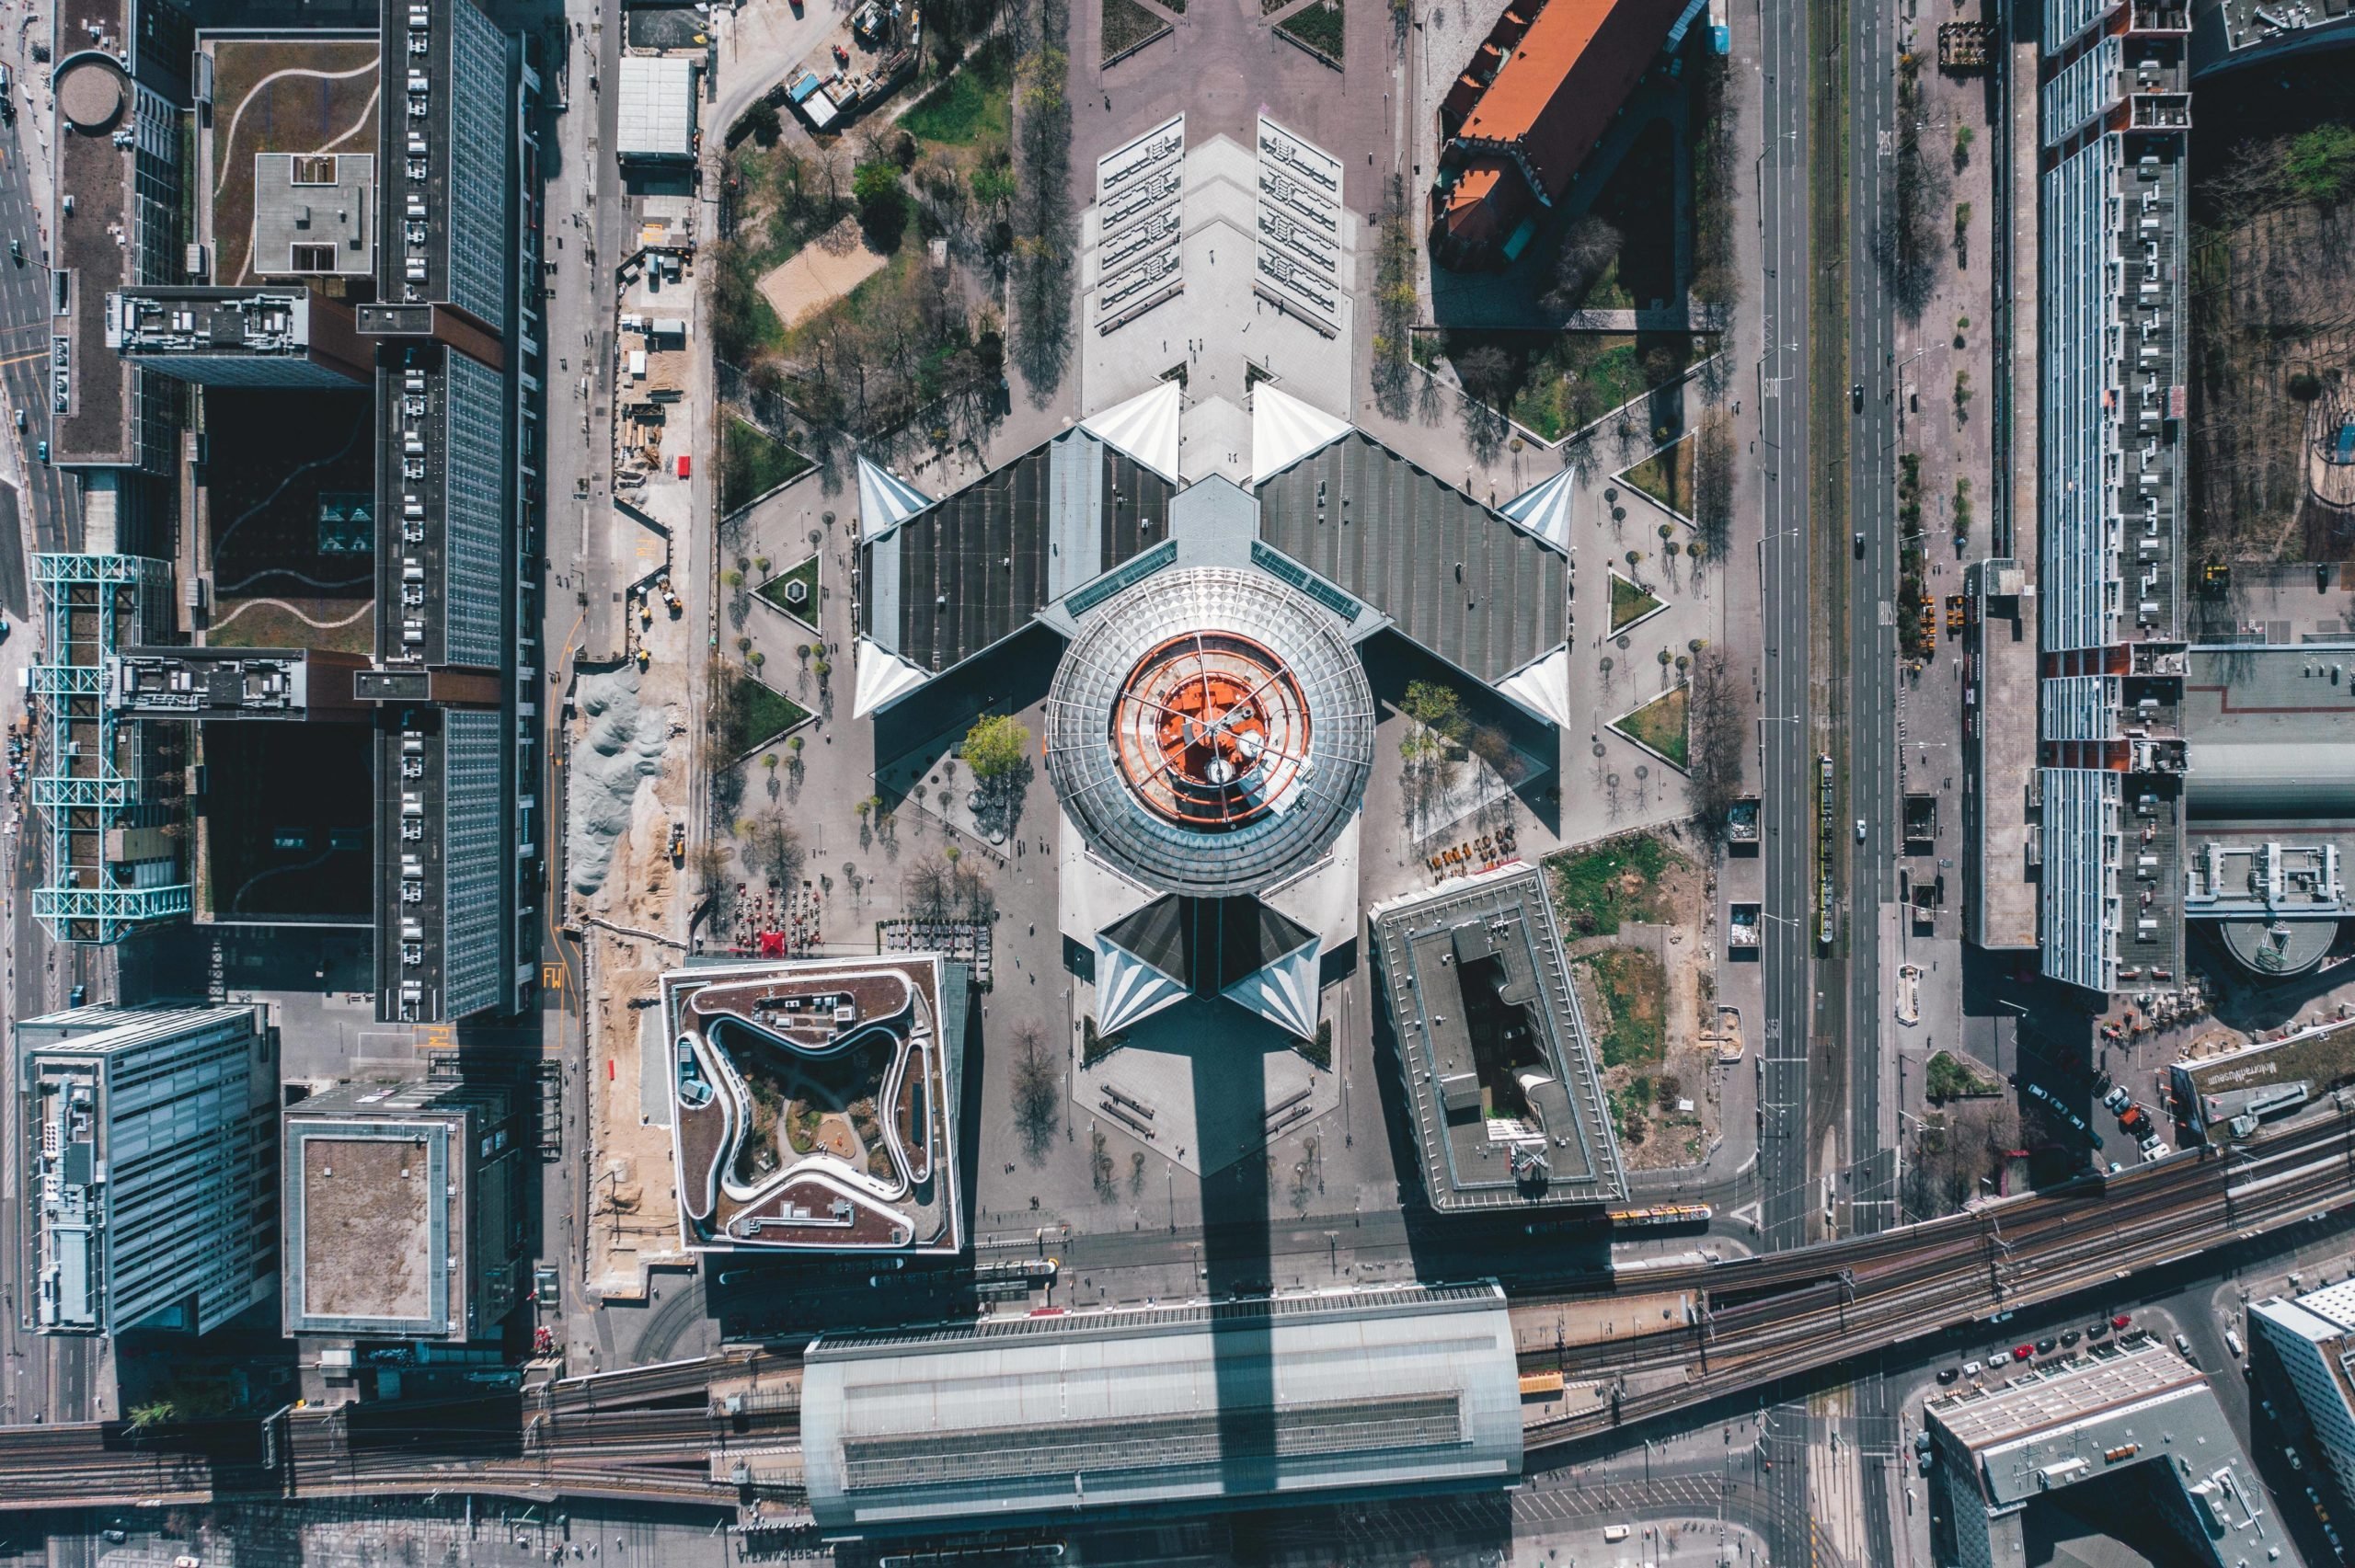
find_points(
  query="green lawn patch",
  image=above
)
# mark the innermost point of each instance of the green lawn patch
(1951, 1079)
(1660, 725)
(1554, 382)
(1318, 25)
(974, 103)
(1630, 602)
(776, 591)
(1127, 25)
(1633, 991)
(752, 464)
(1596, 889)
(1667, 476)
(750, 714)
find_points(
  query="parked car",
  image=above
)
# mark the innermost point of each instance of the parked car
(2022, 1352)
(2117, 1100)
(2121, 1323)
(2070, 1338)
(2047, 1347)
(1949, 1374)
(1971, 1368)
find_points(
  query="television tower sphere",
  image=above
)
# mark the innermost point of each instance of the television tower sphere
(1210, 730)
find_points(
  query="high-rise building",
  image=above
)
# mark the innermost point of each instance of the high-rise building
(2117, 116)
(2313, 1337)
(149, 1179)
(121, 82)
(2127, 1429)
(405, 275)
(459, 370)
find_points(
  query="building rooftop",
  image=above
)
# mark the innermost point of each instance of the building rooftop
(656, 110)
(284, 336)
(2210, 1088)
(315, 214)
(233, 683)
(281, 100)
(1411, 1388)
(397, 1205)
(815, 1104)
(1550, 100)
(1455, 576)
(91, 391)
(2129, 1406)
(972, 568)
(2265, 726)
(1507, 1101)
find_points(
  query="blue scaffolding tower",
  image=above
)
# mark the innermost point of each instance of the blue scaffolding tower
(109, 868)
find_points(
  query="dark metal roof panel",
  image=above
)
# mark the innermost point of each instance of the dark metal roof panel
(974, 567)
(1397, 537)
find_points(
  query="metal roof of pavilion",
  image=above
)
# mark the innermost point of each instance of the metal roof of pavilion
(1461, 581)
(1385, 1391)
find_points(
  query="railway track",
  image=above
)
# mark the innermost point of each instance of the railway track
(649, 1432)
(2019, 1259)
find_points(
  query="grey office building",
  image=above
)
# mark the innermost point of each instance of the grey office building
(459, 371)
(2116, 116)
(403, 1212)
(149, 1178)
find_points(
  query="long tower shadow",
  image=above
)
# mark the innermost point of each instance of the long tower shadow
(1237, 1254)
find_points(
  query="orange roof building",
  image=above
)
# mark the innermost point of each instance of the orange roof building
(1532, 103)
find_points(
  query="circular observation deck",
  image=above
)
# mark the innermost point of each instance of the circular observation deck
(1210, 730)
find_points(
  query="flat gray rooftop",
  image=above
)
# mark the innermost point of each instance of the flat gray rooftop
(1494, 1047)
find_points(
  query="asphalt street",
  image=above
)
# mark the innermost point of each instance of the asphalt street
(51, 1377)
(1873, 691)
(1788, 775)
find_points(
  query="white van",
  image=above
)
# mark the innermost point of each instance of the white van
(1613, 1533)
(2232, 1342)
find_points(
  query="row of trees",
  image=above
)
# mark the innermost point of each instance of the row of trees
(1045, 228)
(1717, 734)
(1907, 245)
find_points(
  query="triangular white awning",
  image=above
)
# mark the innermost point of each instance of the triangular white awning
(885, 500)
(1129, 990)
(1284, 993)
(1545, 510)
(883, 677)
(1145, 427)
(1543, 686)
(1284, 429)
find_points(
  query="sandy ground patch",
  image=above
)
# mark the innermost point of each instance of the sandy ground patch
(819, 273)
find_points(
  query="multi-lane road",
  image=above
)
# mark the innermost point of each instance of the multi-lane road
(40, 512)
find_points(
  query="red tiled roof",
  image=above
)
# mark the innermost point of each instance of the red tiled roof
(1556, 96)
(1471, 216)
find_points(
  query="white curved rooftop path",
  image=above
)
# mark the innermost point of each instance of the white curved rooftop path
(1145, 427)
(1284, 429)
(885, 500)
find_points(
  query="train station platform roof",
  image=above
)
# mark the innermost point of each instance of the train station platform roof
(1367, 1392)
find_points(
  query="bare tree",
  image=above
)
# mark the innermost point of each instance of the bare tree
(776, 846)
(713, 862)
(1592, 244)
(1035, 1096)
(1714, 709)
